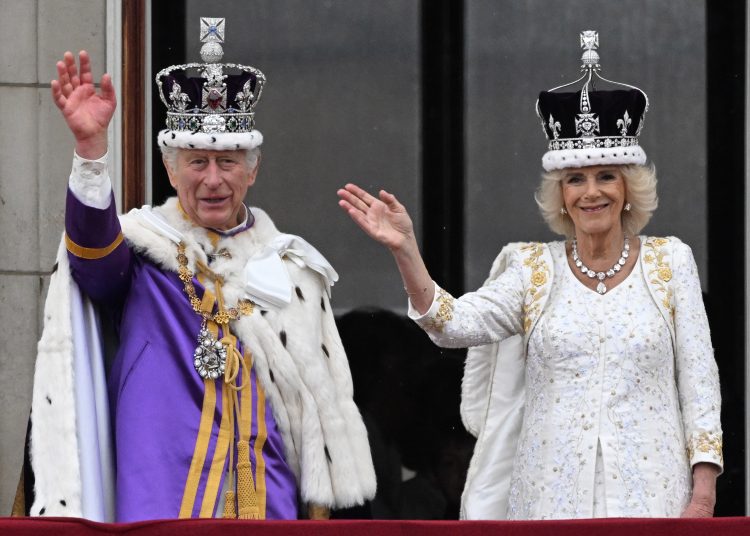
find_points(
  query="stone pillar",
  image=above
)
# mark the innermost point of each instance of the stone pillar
(35, 157)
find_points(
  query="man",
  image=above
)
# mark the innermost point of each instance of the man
(229, 393)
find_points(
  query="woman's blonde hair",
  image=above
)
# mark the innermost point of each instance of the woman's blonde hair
(640, 192)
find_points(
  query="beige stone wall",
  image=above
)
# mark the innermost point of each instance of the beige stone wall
(35, 155)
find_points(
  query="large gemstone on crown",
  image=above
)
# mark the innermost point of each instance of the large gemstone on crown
(213, 99)
(214, 123)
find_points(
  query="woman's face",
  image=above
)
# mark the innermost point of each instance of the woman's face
(594, 197)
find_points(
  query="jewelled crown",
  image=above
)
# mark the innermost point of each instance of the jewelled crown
(592, 127)
(210, 105)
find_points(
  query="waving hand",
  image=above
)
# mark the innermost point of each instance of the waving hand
(86, 112)
(386, 220)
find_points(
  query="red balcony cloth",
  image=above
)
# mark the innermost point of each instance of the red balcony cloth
(727, 526)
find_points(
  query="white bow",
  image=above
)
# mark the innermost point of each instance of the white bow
(267, 280)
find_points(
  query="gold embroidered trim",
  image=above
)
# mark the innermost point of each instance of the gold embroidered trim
(203, 438)
(221, 450)
(260, 441)
(91, 253)
(707, 443)
(444, 313)
(659, 272)
(540, 276)
(201, 449)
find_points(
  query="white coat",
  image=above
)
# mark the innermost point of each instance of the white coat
(576, 401)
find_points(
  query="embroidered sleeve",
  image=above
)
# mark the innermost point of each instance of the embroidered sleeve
(490, 314)
(696, 370)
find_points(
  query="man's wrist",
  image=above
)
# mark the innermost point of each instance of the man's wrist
(92, 148)
(100, 160)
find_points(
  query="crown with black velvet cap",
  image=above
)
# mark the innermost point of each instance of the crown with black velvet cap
(210, 105)
(592, 127)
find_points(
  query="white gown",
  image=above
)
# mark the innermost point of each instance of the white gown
(614, 418)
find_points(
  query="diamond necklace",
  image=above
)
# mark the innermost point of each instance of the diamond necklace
(601, 288)
(210, 356)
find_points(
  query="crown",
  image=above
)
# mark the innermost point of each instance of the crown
(592, 127)
(210, 105)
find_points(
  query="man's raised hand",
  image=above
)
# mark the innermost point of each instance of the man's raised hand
(86, 112)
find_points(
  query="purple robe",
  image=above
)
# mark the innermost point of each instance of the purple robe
(156, 395)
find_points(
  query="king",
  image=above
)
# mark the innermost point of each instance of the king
(228, 393)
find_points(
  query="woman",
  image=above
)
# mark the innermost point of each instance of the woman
(621, 407)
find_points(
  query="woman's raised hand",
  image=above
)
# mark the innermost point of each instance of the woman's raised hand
(86, 112)
(383, 218)
(386, 220)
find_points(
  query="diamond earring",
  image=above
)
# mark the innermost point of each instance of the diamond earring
(563, 211)
(626, 208)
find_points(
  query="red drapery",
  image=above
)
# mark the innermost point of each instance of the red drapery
(728, 526)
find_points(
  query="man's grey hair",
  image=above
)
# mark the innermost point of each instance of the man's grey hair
(169, 155)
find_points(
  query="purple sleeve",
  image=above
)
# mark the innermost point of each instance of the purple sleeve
(100, 260)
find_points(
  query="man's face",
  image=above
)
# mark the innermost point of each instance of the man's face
(211, 185)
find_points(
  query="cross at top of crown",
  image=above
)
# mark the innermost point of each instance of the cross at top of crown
(212, 35)
(212, 29)
(589, 39)
(589, 44)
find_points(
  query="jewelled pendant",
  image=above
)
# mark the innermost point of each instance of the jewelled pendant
(601, 288)
(210, 356)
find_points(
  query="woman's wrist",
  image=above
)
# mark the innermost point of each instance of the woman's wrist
(419, 292)
(704, 482)
(705, 472)
(408, 258)
(407, 246)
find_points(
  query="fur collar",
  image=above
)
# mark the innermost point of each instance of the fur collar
(159, 249)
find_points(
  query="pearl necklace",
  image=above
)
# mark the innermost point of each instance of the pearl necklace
(601, 288)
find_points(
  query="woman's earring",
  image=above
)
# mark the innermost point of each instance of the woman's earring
(626, 208)
(564, 212)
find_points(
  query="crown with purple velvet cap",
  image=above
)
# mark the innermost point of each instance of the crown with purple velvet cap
(592, 127)
(210, 105)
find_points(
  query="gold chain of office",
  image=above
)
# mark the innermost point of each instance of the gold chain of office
(222, 316)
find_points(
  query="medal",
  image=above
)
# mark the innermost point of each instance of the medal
(210, 356)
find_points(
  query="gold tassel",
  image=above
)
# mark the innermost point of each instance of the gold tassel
(230, 511)
(19, 504)
(247, 498)
(317, 511)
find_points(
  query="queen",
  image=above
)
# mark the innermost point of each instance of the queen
(616, 393)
